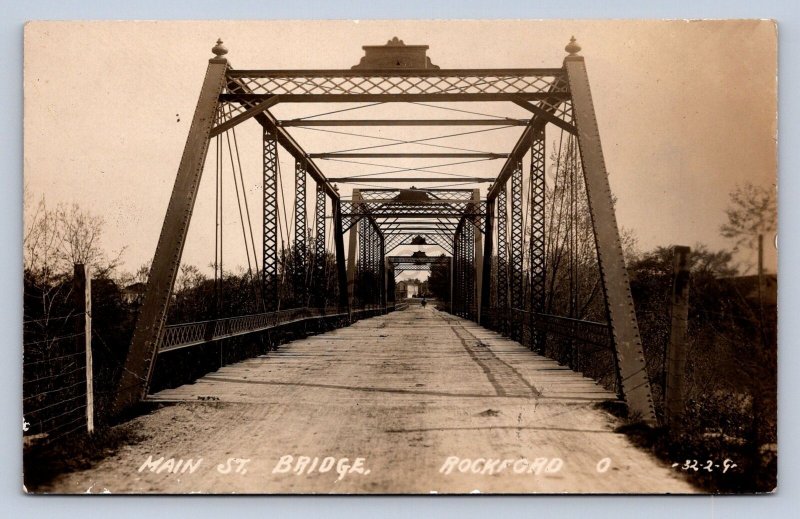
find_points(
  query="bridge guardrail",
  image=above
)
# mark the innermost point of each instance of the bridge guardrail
(184, 335)
(590, 332)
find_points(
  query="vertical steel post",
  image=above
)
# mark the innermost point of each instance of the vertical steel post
(455, 288)
(341, 267)
(381, 264)
(488, 253)
(369, 279)
(675, 387)
(537, 243)
(320, 259)
(502, 261)
(463, 303)
(300, 229)
(354, 239)
(363, 241)
(269, 271)
(619, 303)
(517, 240)
(453, 262)
(138, 370)
(477, 252)
(469, 270)
(375, 294)
(391, 297)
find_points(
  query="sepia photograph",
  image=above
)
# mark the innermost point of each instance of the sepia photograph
(400, 257)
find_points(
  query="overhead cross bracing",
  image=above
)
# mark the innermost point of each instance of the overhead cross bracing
(452, 128)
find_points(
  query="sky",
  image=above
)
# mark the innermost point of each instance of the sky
(686, 111)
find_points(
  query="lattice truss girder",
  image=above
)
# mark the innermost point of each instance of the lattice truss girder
(397, 82)
(537, 254)
(474, 211)
(464, 298)
(394, 240)
(469, 242)
(517, 238)
(320, 252)
(410, 263)
(270, 244)
(362, 246)
(502, 251)
(456, 291)
(380, 266)
(412, 268)
(370, 260)
(300, 229)
(413, 260)
(434, 193)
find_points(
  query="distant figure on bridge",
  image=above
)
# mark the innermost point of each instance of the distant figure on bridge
(424, 302)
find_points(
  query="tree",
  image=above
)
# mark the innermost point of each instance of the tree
(573, 285)
(140, 276)
(752, 213)
(731, 370)
(53, 241)
(56, 239)
(439, 280)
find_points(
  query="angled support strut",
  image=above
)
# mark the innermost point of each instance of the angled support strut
(137, 373)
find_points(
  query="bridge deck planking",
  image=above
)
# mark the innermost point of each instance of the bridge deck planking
(404, 391)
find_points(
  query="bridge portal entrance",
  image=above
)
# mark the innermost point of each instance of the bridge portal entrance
(531, 252)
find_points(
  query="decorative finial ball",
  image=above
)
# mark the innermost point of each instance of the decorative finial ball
(572, 47)
(219, 49)
(336, 188)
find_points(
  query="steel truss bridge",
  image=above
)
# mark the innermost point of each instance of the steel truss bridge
(499, 246)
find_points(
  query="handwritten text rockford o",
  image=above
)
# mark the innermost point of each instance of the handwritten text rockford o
(491, 466)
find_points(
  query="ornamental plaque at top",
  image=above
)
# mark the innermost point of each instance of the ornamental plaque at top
(395, 55)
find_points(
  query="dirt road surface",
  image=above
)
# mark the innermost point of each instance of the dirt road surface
(416, 401)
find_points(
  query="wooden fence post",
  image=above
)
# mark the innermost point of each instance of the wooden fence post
(675, 390)
(82, 290)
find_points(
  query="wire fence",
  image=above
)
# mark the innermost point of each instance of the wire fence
(56, 391)
(54, 382)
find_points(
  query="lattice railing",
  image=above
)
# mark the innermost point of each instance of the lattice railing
(589, 332)
(176, 336)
